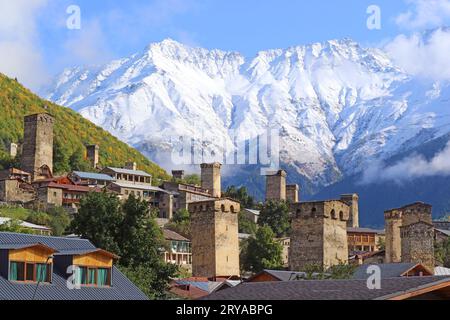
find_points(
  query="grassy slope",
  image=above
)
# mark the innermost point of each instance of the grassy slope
(71, 130)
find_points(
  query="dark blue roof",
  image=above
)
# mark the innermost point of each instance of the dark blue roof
(122, 288)
(93, 176)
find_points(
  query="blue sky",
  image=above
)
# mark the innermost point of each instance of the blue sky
(34, 37)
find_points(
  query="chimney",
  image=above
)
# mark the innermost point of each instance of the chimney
(93, 155)
(131, 166)
(292, 193)
(13, 150)
(178, 174)
(276, 186)
(211, 179)
(352, 200)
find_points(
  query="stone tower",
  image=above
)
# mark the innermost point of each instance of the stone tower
(292, 191)
(352, 200)
(418, 244)
(178, 174)
(276, 186)
(37, 152)
(93, 155)
(215, 240)
(319, 234)
(13, 150)
(395, 219)
(210, 177)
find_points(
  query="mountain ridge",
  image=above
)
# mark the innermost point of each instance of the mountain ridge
(337, 105)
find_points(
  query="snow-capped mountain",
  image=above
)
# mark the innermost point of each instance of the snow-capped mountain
(338, 106)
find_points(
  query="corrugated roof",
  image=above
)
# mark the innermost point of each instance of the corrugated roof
(25, 224)
(388, 270)
(138, 186)
(93, 176)
(121, 289)
(128, 171)
(255, 212)
(446, 232)
(326, 289)
(441, 271)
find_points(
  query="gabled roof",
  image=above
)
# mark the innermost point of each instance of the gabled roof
(391, 288)
(364, 230)
(390, 270)
(93, 176)
(282, 275)
(252, 211)
(128, 171)
(446, 232)
(172, 235)
(25, 224)
(122, 288)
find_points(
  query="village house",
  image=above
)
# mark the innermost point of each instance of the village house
(180, 252)
(37, 268)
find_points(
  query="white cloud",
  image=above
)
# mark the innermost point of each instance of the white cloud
(87, 45)
(19, 51)
(424, 14)
(423, 55)
(416, 166)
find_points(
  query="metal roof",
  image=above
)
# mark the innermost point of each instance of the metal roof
(365, 230)
(446, 232)
(121, 289)
(327, 289)
(128, 171)
(388, 270)
(93, 176)
(138, 186)
(25, 224)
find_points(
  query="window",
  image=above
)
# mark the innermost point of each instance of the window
(29, 272)
(93, 276)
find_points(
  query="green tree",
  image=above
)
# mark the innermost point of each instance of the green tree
(59, 221)
(262, 252)
(14, 226)
(78, 162)
(192, 179)
(240, 195)
(180, 223)
(99, 220)
(442, 253)
(246, 225)
(275, 214)
(60, 157)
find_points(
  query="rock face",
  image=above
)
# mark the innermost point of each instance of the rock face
(337, 106)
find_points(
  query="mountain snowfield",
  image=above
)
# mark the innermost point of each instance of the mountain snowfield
(339, 107)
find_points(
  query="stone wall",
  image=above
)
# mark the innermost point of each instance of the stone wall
(276, 186)
(92, 153)
(11, 191)
(418, 244)
(38, 144)
(393, 222)
(215, 242)
(292, 191)
(353, 201)
(319, 234)
(396, 220)
(211, 180)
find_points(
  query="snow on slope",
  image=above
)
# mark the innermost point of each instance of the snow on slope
(337, 105)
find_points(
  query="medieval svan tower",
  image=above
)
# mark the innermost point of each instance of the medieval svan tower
(37, 152)
(214, 228)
